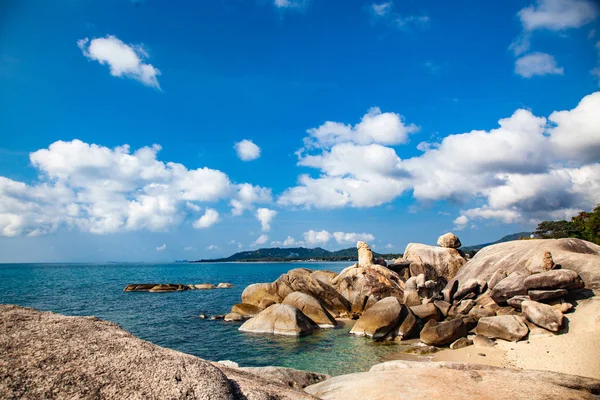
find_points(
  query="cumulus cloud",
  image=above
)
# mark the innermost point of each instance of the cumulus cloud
(122, 59)
(265, 216)
(537, 64)
(246, 195)
(352, 237)
(528, 168)
(246, 150)
(461, 222)
(97, 189)
(381, 9)
(558, 14)
(262, 239)
(210, 217)
(316, 238)
(212, 247)
(162, 247)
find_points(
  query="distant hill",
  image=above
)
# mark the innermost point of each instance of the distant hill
(507, 238)
(296, 254)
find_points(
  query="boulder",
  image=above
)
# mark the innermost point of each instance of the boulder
(556, 279)
(515, 302)
(449, 291)
(578, 255)
(323, 276)
(483, 341)
(280, 319)
(411, 297)
(470, 286)
(479, 312)
(365, 255)
(168, 287)
(449, 240)
(543, 295)
(561, 305)
(380, 319)
(290, 377)
(140, 287)
(443, 306)
(264, 303)
(453, 381)
(426, 312)
(461, 343)
(233, 317)
(512, 285)
(401, 267)
(356, 284)
(224, 285)
(408, 328)
(255, 293)
(246, 310)
(205, 286)
(380, 261)
(311, 308)
(435, 262)
(440, 334)
(507, 327)
(543, 315)
(496, 277)
(45, 355)
(465, 306)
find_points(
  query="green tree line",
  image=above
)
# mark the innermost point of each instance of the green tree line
(585, 225)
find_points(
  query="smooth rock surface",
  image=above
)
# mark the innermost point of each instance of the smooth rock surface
(483, 341)
(461, 343)
(380, 319)
(365, 255)
(293, 378)
(426, 312)
(449, 240)
(246, 310)
(511, 286)
(437, 262)
(280, 319)
(543, 295)
(507, 327)
(555, 279)
(543, 315)
(233, 317)
(45, 355)
(311, 308)
(443, 333)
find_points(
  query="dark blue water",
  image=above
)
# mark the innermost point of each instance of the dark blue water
(170, 319)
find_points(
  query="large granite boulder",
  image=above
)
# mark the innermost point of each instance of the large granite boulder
(449, 240)
(442, 333)
(323, 275)
(364, 286)
(45, 355)
(427, 312)
(453, 381)
(380, 319)
(507, 327)
(556, 279)
(311, 308)
(365, 255)
(280, 319)
(543, 315)
(257, 292)
(543, 295)
(578, 255)
(246, 310)
(435, 262)
(511, 286)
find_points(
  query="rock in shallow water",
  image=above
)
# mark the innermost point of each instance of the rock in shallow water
(280, 319)
(246, 310)
(311, 308)
(380, 319)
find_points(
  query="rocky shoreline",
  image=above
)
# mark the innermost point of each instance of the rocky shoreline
(506, 324)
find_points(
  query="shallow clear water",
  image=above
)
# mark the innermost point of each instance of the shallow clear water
(170, 319)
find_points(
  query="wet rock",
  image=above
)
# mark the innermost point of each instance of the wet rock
(543, 315)
(556, 279)
(224, 285)
(461, 343)
(162, 288)
(408, 327)
(543, 295)
(311, 308)
(507, 327)
(426, 312)
(216, 317)
(449, 240)
(380, 319)
(140, 287)
(246, 310)
(439, 334)
(233, 317)
(280, 319)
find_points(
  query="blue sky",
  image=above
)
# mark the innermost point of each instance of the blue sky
(249, 122)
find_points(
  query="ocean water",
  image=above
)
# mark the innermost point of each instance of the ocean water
(171, 319)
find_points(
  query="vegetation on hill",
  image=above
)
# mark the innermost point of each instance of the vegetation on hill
(585, 225)
(277, 254)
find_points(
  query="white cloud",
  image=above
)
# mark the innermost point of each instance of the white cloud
(246, 150)
(262, 239)
(411, 20)
(381, 9)
(537, 64)
(162, 247)
(289, 241)
(290, 4)
(101, 190)
(316, 238)
(210, 217)
(461, 222)
(352, 237)
(247, 195)
(212, 247)
(521, 45)
(123, 60)
(265, 216)
(375, 127)
(558, 14)
(528, 168)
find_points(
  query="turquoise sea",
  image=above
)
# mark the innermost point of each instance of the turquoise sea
(171, 319)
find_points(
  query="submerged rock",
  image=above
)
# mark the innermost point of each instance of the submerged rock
(280, 319)
(224, 285)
